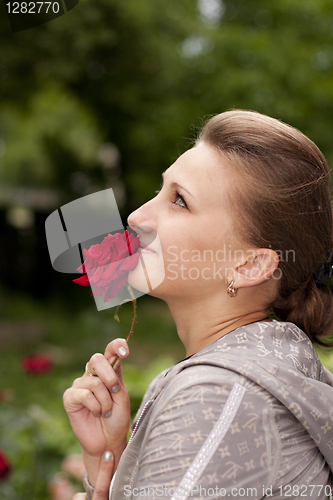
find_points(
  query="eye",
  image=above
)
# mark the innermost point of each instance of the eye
(180, 201)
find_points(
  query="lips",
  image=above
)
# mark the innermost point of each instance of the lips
(145, 249)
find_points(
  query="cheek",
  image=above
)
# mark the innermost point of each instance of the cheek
(197, 264)
(203, 269)
(196, 257)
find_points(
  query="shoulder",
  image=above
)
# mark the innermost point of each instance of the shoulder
(272, 343)
(199, 387)
(209, 405)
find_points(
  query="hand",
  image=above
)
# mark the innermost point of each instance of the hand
(98, 407)
(103, 480)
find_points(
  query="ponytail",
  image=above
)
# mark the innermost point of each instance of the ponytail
(310, 307)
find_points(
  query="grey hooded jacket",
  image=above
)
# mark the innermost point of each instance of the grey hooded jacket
(249, 416)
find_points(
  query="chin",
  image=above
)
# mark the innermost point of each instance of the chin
(147, 276)
(137, 279)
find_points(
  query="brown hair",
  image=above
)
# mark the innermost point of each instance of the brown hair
(283, 203)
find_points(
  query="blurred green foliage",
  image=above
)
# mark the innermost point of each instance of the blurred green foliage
(143, 75)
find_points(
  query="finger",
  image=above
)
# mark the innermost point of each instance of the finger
(80, 496)
(115, 352)
(100, 366)
(104, 477)
(99, 390)
(74, 399)
(117, 347)
(88, 371)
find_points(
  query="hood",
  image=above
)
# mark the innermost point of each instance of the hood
(279, 357)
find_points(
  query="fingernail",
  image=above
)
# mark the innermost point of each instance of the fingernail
(115, 388)
(99, 415)
(107, 456)
(122, 351)
(108, 414)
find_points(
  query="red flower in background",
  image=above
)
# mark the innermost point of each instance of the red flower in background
(4, 465)
(6, 395)
(41, 363)
(107, 264)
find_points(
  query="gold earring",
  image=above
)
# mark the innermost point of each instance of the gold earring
(231, 290)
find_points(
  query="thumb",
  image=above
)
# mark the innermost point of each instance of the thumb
(104, 477)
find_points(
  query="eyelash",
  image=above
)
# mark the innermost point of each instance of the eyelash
(180, 196)
(177, 195)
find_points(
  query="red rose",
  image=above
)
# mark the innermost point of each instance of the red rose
(107, 264)
(4, 465)
(37, 364)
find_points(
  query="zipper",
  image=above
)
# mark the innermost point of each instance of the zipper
(142, 414)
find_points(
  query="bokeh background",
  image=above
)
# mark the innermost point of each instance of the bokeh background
(109, 95)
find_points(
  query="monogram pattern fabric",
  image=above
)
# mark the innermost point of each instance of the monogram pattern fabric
(279, 443)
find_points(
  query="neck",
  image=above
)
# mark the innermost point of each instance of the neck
(199, 324)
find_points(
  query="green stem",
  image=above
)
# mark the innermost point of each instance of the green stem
(129, 288)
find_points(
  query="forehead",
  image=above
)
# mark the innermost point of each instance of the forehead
(201, 170)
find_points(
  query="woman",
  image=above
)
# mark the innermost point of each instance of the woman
(244, 220)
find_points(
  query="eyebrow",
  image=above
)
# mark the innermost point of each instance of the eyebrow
(176, 185)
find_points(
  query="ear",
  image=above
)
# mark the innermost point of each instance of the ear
(259, 266)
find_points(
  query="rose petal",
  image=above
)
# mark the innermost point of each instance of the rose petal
(96, 275)
(107, 283)
(107, 259)
(114, 236)
(128, 264)
(123, 269)
(95, 251)
(110, 270)
(114, 288)
(134, 261)
(111, 238)
(121, 249)
(99, 291)
(90, 263)
(105, 250)
(82, 280)
(123, 255)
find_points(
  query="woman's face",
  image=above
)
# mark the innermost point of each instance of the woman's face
(195, 236)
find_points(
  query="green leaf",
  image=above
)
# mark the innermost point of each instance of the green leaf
(116, 317)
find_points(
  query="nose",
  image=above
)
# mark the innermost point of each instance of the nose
(142, 219)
